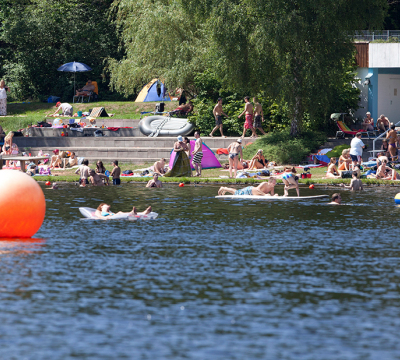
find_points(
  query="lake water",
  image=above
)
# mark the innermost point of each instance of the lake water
(209, 279)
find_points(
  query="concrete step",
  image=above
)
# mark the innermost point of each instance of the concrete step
(109, 160)
(56, 132)
(113, 152)
(109, 142)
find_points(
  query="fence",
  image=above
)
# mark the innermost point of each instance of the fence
(385, 35)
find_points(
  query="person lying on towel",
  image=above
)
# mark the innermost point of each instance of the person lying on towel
(264, 189)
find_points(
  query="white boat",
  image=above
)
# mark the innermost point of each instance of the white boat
(158, 125)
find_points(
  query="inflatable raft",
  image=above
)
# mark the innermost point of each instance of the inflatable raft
(259, 197)
(90, 214)
(158, 125)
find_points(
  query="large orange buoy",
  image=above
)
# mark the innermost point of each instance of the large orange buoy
(22, 205)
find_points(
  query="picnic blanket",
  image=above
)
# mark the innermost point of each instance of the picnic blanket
(181, 166)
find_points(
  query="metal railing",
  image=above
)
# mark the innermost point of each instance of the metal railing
(378, 137)
(385, 35)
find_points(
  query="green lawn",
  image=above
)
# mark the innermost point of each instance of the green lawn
(212, 176)
(20, 115)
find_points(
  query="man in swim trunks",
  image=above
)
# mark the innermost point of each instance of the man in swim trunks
(97, 179)
(159, 166)
(197, 153)
(83, 171)
(392, 139)
(258, 116)
(336, 199)
(382, 123)
(154, 182)
(235, 149)
(218, 118)
(264, 189)
(248, 124)
(355, 184)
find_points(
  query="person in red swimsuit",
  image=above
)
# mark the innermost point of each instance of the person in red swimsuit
(248, 124)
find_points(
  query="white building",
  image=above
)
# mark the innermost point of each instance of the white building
(379, 71)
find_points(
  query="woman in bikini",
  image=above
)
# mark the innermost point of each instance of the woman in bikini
(290, 180)
(344, 160)
(235, 149)
(103, 211)
(258, 161)
(332, 171)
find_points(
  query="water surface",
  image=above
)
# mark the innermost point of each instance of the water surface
(209, 279)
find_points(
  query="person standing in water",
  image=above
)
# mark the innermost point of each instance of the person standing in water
(197, 153)
(336, 199)
(218, 118)
(248, 123)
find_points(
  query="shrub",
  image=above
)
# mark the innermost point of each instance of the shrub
(337, 151)
(279, 146)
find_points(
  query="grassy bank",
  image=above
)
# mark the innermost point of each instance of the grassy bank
(212, 176)
(20, 115)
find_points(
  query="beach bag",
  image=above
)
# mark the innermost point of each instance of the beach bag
(98, 133)
(347, 174)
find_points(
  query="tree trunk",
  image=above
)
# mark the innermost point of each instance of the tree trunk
(295, 126)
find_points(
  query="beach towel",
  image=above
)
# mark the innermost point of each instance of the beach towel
(181, 166)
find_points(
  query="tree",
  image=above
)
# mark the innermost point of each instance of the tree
(160, 41)
(40, 35)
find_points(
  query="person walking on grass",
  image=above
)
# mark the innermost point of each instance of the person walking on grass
(218, 118)
(197, 153)
(248, 123)
(258, 117)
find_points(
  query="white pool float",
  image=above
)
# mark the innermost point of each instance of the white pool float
(89, 213)
(259, 197)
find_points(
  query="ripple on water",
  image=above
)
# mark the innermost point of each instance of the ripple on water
(207, 279)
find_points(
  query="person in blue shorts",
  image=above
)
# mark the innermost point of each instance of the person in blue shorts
(116, 173)
(264, 189)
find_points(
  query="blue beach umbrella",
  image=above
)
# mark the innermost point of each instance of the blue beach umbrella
(74, 67)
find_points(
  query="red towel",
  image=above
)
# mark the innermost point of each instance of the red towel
(222, 151)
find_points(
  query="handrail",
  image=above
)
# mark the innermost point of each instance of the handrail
(378, 137)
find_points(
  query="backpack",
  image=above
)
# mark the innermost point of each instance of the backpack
(347, 174)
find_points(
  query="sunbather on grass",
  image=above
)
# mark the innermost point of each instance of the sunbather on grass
(332, 171)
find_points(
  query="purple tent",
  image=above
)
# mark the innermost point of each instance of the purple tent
(209, 161)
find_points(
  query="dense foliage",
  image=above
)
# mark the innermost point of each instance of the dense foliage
(296, 55)
(38, 36)
(281, 147)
